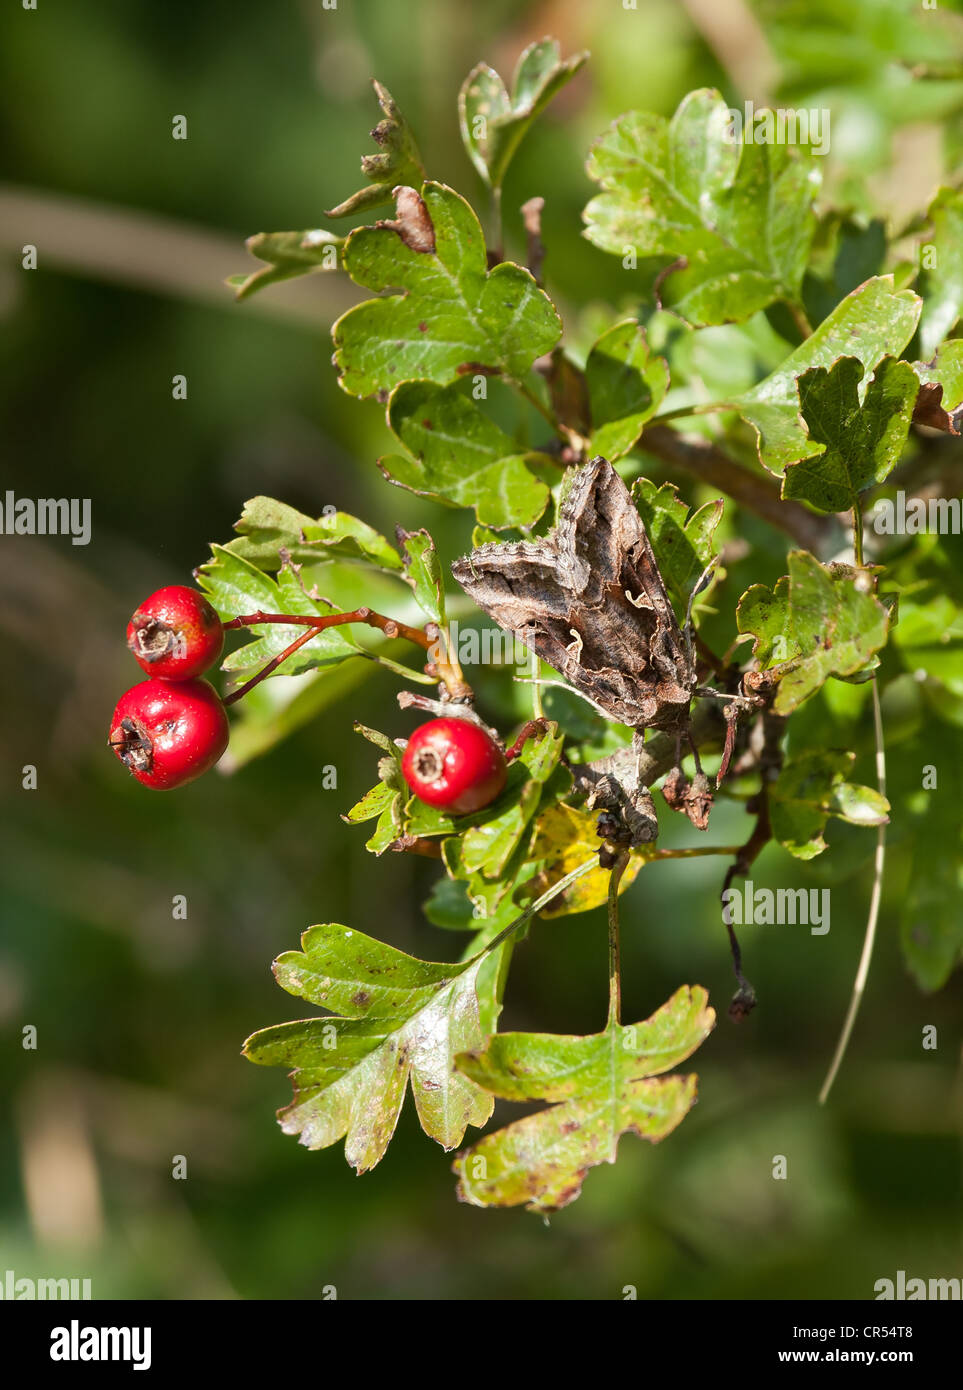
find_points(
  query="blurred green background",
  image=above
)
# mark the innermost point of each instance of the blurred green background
(140, 1017)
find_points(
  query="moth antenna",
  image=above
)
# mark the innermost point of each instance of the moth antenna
(700, 584)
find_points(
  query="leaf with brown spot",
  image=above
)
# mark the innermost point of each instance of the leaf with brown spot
(437, 310)
(412, 224)
(599, 1087)
(397, 1019)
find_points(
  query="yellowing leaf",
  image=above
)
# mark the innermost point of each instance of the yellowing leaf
(565, 837)
(602, 1086)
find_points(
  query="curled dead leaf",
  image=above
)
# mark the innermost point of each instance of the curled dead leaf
(412, 221)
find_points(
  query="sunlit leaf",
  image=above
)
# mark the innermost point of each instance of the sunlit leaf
(599, 1088)
(494, 123)
(871, 323)
(461, 457)
(447, 315)
(815, 624)
(732, 220)
(811, 787)
(395, 1019)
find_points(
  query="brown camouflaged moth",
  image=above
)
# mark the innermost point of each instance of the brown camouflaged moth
(589, 599)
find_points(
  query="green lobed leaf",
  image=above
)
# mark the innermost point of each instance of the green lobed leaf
(397, 163)
(734, 218)
(460, 457)
(816, 623)
(599, 1087)
(871, 323)
(236, 587)
(395, 1019)
(493, 124)
(288, 255)
(266, 527)
(863, 439)
(811, 787)
(683, 545)
(371, 806)
(448, 315)
(422, 572)
(625, 388)
(942, 280)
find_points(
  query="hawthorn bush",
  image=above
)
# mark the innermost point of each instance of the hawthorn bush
(789, 354)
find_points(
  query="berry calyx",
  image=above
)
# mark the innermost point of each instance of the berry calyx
(167, 733)
(454, 765)
(175, 634)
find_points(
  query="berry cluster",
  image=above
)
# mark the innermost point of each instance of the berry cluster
(173, 727)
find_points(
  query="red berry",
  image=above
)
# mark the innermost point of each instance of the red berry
(455, 765)
(175, 634)
(167, 733)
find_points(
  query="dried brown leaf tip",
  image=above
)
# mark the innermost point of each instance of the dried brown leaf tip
(693, 799)
(929, 410)
(412, 220)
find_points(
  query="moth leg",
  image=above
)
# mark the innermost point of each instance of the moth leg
(695, 751)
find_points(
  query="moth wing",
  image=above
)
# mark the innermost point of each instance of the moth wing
(518, 586)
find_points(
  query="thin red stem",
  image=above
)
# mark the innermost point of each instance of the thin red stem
(429, 639)
(389, 626)
(272, 665)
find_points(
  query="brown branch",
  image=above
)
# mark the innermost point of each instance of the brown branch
(660, 754)
(768, 758)
(756, 492)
